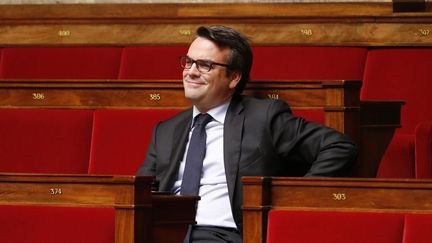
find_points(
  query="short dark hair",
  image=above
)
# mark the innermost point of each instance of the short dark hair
(241, 57)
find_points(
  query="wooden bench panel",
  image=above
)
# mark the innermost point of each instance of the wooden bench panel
(262, 194)
(130, 196)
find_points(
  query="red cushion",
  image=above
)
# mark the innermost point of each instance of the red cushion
(45, 140)
(401, 74)
(347, 227)
(152, 62)
(399, 159)
(308, 63)
(121, 138)
(317, 116)
(423, 150)
(43, 224)
(417, 228)
(61, 62)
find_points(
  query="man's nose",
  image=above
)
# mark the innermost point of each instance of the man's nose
(194, 70)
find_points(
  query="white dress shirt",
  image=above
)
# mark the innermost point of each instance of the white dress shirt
(214, 208)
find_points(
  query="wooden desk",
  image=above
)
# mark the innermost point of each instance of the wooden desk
(262, 194)
(140, 215)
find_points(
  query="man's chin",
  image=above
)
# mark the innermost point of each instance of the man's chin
(192, 96)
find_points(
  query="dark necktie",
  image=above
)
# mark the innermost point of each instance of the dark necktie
(195, 156)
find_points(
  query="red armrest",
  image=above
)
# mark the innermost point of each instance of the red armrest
(423, 150)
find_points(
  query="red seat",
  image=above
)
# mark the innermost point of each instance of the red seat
(121, 137)
(308, 63)
(60, 62)
(152, 62)
(328, 227)
(45, 224)
(401, 74)
(398, 160)
(417, 228)
(423, 150)
(45, 140)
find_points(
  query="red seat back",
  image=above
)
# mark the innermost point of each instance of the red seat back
(45, 224)
(417, 228)
(121, 137)
(152, 62)
(401, 74)
(45, 140)
(329, 227)
(308, 63)
(398, 160)
(60, 62)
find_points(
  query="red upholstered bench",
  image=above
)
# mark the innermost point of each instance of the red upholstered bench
(42, 224)
(152, 62)
(60, 62)
(308, 63)
(64, 141)
(121, 137)
(286, 226)
(45, 140)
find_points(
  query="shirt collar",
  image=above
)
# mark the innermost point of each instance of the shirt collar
(218, 113)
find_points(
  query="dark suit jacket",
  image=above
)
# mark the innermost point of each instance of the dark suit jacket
(261, 138)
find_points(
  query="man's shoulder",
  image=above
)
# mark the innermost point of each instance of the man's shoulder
(178, 118)
(250, 102)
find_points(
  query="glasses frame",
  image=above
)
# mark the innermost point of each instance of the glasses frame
(198, 65)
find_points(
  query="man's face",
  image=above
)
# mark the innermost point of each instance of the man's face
(208, 89)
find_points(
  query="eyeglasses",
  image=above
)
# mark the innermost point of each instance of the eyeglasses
(202, 65)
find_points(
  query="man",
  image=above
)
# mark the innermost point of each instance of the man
(244, 137)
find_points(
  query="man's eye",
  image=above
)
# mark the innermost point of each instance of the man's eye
(206, 65)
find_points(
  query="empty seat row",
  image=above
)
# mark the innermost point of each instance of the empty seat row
(76, 141)
(161, 62)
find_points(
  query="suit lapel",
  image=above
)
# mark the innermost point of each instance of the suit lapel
(180, 138)
(233, 131)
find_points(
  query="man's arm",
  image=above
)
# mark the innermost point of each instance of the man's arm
(326, 151)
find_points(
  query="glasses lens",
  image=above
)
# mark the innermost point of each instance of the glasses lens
(204, 66)
(186, 62)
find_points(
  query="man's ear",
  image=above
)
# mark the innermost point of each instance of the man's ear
(235, 79)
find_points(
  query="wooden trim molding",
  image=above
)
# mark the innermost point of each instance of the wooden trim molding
(330, 24)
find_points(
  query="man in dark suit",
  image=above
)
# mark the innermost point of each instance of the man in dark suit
(245, 136)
